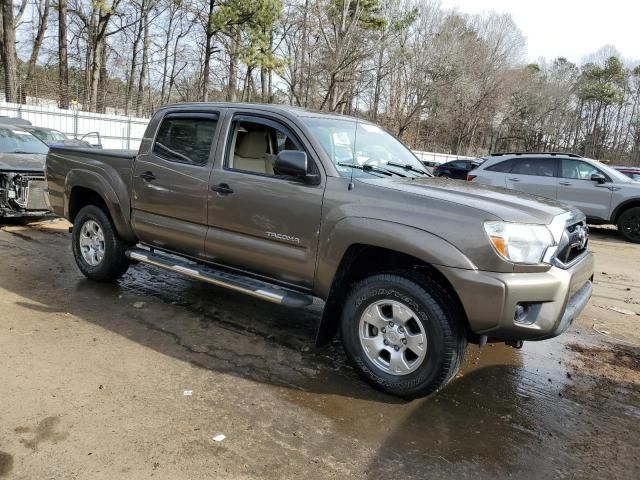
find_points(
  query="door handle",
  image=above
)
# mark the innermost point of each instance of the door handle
(147, 176)
(222, 189)
(514, 179)
(565, 183)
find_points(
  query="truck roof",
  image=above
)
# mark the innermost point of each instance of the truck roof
(290, 110)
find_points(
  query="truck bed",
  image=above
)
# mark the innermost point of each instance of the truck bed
(89, 167)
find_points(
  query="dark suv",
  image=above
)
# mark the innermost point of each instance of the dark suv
(457, 169)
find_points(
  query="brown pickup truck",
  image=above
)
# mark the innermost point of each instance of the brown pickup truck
(286, 204)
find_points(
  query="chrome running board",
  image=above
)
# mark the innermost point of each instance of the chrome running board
(233, 281)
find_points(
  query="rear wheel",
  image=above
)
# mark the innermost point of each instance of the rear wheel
(629, 224)
(404, 333)
(98, 250)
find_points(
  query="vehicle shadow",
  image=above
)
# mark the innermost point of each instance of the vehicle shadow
(606, 233)
(208, 327)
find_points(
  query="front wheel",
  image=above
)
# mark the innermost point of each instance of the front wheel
(97, 248)
(403, 333)
(629, 224)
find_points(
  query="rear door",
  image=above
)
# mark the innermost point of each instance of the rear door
(576, 187)
(170, 183)
(534, 175)
(261, 221)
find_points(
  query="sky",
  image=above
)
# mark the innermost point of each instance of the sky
(568, 28)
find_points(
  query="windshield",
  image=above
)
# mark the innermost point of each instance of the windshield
(15, 140)
(367, 151)
(614, 174)
(48, 136)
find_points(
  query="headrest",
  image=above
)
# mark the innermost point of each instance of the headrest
(252, 144)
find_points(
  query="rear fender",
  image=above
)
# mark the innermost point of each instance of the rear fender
(116, 199)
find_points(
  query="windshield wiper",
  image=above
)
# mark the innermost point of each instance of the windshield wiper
(367, 168)
(407, 167)
(21, 151)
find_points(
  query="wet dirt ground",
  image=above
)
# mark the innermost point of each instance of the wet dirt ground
(93, 380)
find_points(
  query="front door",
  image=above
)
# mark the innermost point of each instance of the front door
(261, 221)
(170, 184)
(576, 188)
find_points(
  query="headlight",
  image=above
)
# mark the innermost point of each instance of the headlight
(519, 242)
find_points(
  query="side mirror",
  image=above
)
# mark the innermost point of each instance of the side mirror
(293, 163)
(598, 177)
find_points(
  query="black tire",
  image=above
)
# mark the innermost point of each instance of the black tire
(114, 262)
(440, 316)
(629, 224)
(444, 175)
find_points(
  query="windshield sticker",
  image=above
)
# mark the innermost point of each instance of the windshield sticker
(20, 132)
(341, 139)
(371, 128)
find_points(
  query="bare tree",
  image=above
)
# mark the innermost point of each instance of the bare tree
(8, 49)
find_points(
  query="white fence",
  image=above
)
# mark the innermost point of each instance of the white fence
(439, 158)
(116, 131)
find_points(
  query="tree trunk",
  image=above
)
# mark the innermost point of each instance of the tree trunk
(263, 85)
(9, 52)
(172, 76)
(378, 85)
(145, 61)
(208, 52)
(232, 89)
(165, 60)
(95, 74)
(132, 66)
(103, 78)
(63, 67)
(37, 43)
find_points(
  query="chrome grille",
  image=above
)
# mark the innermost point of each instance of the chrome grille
(574, 243)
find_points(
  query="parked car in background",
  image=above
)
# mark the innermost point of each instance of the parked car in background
(457, 169)
(14, 121)
(22, 181)
(632, 172)
(55, 138)
(605, 195)
(285, 204)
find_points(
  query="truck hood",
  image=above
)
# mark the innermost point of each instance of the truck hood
(508, 205)
(22, 162)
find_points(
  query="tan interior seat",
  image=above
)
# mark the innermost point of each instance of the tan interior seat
(251, 152)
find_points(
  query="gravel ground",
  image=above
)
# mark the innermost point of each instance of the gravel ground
(135, 380)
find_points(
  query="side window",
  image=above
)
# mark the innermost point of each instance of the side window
(503, 167)
(186, 140)
(254, 146)
(578, 170)
(540, 167)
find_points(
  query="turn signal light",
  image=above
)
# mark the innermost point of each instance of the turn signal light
(470, 177)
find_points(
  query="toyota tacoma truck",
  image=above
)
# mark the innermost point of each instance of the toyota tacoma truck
(286, 204)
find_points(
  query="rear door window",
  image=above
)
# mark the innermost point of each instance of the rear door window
(503, 167)
(186, 139)
(539, 167)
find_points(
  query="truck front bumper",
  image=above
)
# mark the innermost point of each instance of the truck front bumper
(523, 306)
